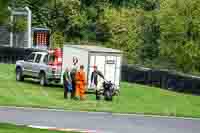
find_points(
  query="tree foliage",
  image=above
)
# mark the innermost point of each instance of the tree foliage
(149, 32)
(57, 40)
(180, 33)
(4, 11)
(148, 36)
(123, 30)
(20, 25)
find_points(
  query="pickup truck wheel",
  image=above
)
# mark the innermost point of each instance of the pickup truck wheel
(19, 75)
(43, 80)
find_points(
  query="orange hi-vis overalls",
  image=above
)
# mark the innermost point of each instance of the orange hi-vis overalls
(80, 84)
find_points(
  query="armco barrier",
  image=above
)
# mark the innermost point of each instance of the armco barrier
(161, 78)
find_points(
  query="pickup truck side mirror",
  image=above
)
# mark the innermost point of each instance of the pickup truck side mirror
(29, 60)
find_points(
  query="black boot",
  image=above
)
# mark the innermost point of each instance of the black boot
(65, 95)
(98, 97)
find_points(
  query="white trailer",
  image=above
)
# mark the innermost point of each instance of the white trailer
(107, 60)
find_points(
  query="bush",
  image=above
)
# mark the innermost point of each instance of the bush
(20, 25)
(57, 40)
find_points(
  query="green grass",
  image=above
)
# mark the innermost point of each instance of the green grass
(8, 128)
(133, 98)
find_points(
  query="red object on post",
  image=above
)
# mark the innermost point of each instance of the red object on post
(57, 56)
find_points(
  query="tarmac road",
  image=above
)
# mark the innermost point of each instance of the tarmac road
(101, 122)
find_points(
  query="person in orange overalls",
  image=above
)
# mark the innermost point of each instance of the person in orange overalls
(80, 83)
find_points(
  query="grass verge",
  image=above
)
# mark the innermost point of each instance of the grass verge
(8, 128)
(133, 98)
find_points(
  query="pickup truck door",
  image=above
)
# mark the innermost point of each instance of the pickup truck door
(36, 66)
(28, 64)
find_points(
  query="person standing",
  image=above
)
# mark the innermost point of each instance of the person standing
(94, 80)
(94, 77)
(73, 76)
(80, 83)
(67, 83)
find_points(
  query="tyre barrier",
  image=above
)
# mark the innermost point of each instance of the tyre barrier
(161, 78)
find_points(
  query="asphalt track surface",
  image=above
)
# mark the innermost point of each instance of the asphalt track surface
(100, 122)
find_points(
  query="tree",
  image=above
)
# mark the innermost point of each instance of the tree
(148, 36)
(180, 33)
(123, 29)
(57, 40)
(4, 11)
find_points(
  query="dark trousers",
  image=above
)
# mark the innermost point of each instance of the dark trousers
(73, 89)
(66, 90)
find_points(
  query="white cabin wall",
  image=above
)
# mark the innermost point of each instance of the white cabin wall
(69, 53)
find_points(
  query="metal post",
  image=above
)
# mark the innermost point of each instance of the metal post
(29, 27)
(11, 32)
(11, 24)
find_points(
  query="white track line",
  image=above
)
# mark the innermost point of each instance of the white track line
(52, 109)
(90, 112)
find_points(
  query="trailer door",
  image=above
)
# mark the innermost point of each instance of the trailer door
(99, 61)
(110, 68)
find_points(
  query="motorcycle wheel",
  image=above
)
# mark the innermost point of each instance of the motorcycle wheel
(108, 96)
(98, 96)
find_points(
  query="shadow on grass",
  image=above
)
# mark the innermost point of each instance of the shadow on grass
(36, 83)
(183, 91)
(51, 86)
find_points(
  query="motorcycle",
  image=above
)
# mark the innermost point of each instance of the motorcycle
(108, 91)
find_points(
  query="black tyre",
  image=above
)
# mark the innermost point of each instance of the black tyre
(98, 95)
(116, 93)
(43, 80)
(19, 75)
(108, 96)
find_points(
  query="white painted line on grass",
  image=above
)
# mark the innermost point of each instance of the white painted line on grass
(62, 129)
(156, 116)
(89, 112)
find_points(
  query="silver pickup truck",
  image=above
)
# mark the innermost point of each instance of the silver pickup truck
(39, 65)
